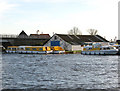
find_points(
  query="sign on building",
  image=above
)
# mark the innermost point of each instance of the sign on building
(55, 43)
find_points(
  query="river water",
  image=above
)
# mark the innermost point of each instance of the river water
(54, 71)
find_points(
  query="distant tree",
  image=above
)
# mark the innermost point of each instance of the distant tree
(37, 31)
(92, 31)
(75, 31)
(115, 39)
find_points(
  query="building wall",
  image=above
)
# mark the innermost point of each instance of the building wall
(63, 44)
(76, 47)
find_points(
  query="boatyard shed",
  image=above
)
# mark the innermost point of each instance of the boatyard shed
(42, 36)
(24, 40)
(22, 35)
(74, 42)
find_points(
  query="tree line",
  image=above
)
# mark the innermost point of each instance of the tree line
(76, 31)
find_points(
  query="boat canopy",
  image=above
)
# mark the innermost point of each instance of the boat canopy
(87, 46)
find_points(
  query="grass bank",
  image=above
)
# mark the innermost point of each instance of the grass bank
(73, 52)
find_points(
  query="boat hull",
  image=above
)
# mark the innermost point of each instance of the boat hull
(8, 51)
(32, 52)
(29, 52)
(100, 52)
(58, 52)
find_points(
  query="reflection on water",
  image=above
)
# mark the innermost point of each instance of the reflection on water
(22, 71)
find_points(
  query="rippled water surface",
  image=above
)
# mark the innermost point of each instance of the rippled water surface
(20, 71)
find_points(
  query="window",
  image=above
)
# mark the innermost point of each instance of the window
(40, 49)
(108, 48)
(27, 48)
(55, 37)
(13, 48)
(21, 48)
(89, 48)
(104, 48)
(9, 48)
(33, 48)
(111, 47)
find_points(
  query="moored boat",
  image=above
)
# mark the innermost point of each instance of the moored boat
(117, 46)
(29, 49)
(12, 49)
(35, 49)
(97, 49)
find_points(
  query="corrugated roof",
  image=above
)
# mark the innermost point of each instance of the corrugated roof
(44, 36)
(80, 39)
(23, 34)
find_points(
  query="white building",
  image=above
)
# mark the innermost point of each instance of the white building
(74, 42)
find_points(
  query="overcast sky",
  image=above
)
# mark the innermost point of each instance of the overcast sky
(59, 16)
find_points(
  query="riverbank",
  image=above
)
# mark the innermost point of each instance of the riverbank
(73, 52)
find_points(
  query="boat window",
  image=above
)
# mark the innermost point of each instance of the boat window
(9, 48)
(33, 48)
(13, 48)
(40, 49)
(111, 47)
(89, 48)
(27, 48)
(21, 48)
(104, 48)
(108, 48)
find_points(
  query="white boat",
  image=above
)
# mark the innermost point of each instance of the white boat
(97, 49)
(35, 49)
(29, 49)
(12, 49)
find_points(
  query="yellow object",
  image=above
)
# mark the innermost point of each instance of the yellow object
(57, 48)
(90, 49)
(37, 48)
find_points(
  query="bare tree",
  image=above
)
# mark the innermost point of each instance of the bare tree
(75, 31)
(92, 31)
(37, 32)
